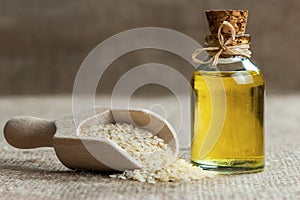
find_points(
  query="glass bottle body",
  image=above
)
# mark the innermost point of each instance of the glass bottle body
(228, 116)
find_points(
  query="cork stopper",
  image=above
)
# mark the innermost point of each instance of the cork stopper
(237, 18)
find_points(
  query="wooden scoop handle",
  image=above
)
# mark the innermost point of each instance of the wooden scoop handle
(27, 132)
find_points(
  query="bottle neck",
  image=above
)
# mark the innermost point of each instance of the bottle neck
(230, 60)
(234, 63)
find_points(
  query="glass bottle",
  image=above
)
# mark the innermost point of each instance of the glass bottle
(228, 116)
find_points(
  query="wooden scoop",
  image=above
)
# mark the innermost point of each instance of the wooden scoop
(77, 151)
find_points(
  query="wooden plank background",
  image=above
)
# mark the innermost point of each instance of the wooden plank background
(43, 42)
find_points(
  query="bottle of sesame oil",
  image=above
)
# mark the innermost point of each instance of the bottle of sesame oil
(228, 100)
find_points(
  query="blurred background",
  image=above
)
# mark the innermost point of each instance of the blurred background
(43, 42)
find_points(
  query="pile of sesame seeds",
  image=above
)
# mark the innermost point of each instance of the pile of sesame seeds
(157, 159)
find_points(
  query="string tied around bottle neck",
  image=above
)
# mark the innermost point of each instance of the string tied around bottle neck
(225, 47)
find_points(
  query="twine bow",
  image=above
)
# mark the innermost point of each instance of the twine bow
(225, 47)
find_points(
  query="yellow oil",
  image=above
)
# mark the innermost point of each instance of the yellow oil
(228, 121)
